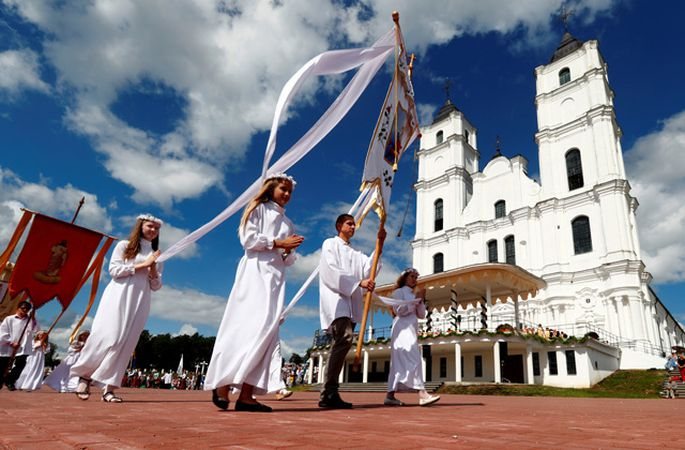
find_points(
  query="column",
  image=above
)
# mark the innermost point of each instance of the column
(365, 373)
(319, 377)
(496, 360)
(530, 377)
(615, 305)
(310, 372)
(457, 362)
(516, 310)
(637, 322)
(488, 301)
(610, 321)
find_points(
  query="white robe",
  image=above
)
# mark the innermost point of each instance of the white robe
(405, 361)
(247, 346)
(61, 379)
(31, 377)
(10, 331)
(341, 269)
(120, 318)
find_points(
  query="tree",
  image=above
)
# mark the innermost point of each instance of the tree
(296, 359)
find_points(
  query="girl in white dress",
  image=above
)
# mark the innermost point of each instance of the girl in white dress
(247, 355)
(32, 375)
(61, 379)
(405, 362)
(123, 310)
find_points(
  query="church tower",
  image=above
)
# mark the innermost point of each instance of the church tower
(448, 156)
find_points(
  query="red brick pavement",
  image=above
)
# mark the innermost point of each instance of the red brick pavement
(187, 419)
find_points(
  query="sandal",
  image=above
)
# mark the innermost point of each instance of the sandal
(110, 397)
(83, 389)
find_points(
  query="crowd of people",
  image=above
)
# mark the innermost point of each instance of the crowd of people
(246, 356)
(545, 333)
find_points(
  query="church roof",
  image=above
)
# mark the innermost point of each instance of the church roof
(445, 111)
(568, 45)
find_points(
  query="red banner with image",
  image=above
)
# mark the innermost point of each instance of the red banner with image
(53, 261)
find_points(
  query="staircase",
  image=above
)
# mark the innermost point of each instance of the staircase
(431, 386)
(678, 386)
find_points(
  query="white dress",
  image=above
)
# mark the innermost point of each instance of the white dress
(405, 362)
(120, 318)
(341, 269)
(247, 346)
(60, 379)
(32, 375)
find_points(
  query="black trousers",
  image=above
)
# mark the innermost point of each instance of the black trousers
(13, 375)
(342, 332)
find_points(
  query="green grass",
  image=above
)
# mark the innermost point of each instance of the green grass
(621, 384)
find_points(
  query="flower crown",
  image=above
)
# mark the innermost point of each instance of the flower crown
(409, 270)
(281, 175)
(150, 218)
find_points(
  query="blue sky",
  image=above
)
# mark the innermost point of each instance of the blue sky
(165, 107)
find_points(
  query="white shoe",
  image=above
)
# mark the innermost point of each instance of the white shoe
(429, 400)
(392, 402)
(283, 393)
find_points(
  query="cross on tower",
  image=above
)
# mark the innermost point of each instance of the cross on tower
(565, 15)
(448, 84)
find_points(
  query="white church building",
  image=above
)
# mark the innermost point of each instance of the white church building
(496, 247)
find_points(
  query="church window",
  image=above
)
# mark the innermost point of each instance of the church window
(500, 209)
(574, 169)
(438, 215)
(492, 251)
(582, 239)
(466, 136)
(510, 250)
(571, 362)
(438, 263)
(536, 364)
(443, 367)
(552, 360)
(564, 76)
(439, 138)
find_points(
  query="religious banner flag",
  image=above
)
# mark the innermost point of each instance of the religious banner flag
(54, 260)
(396, 129)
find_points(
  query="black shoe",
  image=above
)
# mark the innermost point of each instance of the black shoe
(221, 403)
(10, 386)
(334, 402)
(251, 407)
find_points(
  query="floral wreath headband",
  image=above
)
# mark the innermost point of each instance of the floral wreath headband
(150, 218)
(408, 271)
(281, 176)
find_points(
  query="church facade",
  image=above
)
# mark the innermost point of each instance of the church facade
(575, 229)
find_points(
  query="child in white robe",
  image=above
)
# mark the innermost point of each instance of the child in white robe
(31, 377)
(61, 379)
(405, 362)
(122, 312)
(246, 354)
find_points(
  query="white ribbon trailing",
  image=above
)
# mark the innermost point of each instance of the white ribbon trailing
(369, 60)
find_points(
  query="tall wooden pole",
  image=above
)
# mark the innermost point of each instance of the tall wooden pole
(80, 204)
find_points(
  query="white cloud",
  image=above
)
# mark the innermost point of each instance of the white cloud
(19, 70)
(60, 202)
(658, 182)
(304, 312)
(186, 330)
(226, 62)
(188, 306)
(304, 266)
(298, 345)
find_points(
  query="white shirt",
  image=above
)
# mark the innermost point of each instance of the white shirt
(341, 269)
(10, 330)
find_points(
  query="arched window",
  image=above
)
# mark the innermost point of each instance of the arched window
(500, 209)
(564, 76)
(466, 136)
(582, 239)
(438, 138)
(437, 207)
(492, 251)
(438, 263)
(574, 169)
(510, 249)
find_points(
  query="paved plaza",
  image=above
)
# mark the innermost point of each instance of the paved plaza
(187, 419)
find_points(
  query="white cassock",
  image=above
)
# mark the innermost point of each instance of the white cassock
(31, 377)
(61, 379)
(341, 269)
(120, 318)
(247, 346)
(11, 330)
(405, 362)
